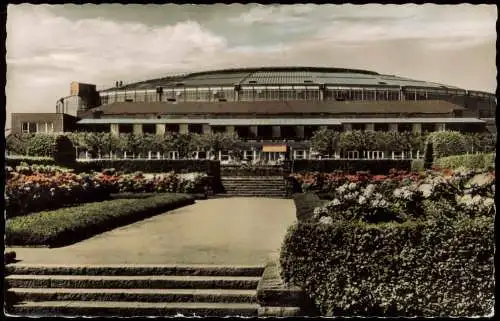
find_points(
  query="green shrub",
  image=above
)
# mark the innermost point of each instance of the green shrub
(417, 165)
(378, 166)
(64, 153)
(416, 268)
(470, 161)
(69, 225)
(305, 203)
(448, 143)
(28, 160)
(152, 165)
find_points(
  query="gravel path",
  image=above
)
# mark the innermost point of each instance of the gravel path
(214, 231)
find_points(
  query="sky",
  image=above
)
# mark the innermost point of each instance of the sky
(49, 46)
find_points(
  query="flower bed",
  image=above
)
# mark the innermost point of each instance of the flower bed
(69, 225)
(36, 188)
(398, 246)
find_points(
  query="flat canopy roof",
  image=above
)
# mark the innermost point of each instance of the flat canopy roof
(276, 121)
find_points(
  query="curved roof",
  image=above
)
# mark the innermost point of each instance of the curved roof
(282, 76)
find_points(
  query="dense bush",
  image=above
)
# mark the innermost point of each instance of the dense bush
(472, 161)
(417, 165)
(398, 247)
(305, 203)
(449, 143)
(31, 144)
(417, 268)
(152, 166)
(252, 170)
(69, 225)
(352, 165)
(13, 161)
(64, 152)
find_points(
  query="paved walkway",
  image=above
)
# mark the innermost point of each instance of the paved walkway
(214, 231)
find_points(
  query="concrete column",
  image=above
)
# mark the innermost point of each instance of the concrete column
(230, 129)
(160, 129)
(300, 131)
(347, 127)
(393, 127)
(183, 129)
(254, 131)
(370, 127)
(440, 127)
(321, 94)
(417, 128)
(137, 128)
(276, 131)
(115, 129)
(206, 129)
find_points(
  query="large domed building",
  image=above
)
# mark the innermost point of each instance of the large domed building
(285, 104)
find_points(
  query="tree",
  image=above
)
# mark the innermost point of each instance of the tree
(325, 141)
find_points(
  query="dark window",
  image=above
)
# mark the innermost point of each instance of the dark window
(149, 128)
(126, 128)
(381, 127)
(172, 128)
(195, 128)
(218, 129)
(358, 126)
(404, 128)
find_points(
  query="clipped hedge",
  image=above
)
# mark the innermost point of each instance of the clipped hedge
(14, 161)
(417, 165)
(252, 170)
(472, 161)
(374, 166)
(151, 166)
(70, 225)
(64, 152)
(415, 268)
(305, 203)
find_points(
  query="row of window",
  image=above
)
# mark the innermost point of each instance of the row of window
(32, 127)
(308, 93)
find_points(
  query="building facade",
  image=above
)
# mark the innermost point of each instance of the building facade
(280, 104)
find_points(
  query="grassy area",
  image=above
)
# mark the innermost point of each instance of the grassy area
(70, 225)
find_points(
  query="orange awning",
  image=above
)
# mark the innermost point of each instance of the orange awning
(275, 148)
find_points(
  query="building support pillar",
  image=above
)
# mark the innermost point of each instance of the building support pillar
(417, 128)
(254, 131)
(347, 127)
(137, 129)
(299, 131)
(369, 127)
(160, 129)
(393, 127)
(441, 127)
(276, 131)
(183, 128)
(230, 129)
(206, 129)
(115, 129)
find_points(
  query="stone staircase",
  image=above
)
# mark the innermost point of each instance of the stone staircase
(132, 290)
(254, 186)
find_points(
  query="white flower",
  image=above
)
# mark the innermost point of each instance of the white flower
(326, 220)
(362, 200)
(333, 203)
(352, 186)
(341, 189)
(398, 192)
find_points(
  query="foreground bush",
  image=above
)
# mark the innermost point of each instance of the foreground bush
(305, 204)
(470, 161)
(417, 268)
(69, 225)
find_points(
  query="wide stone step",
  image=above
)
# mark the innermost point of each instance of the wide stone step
(253, 178)
(137, 270)
(136, 295)
(243, 189)
(113, 308)
(131, 282)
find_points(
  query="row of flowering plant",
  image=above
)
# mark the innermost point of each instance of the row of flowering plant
(35, 188)
(327, 182)
(399, 198)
